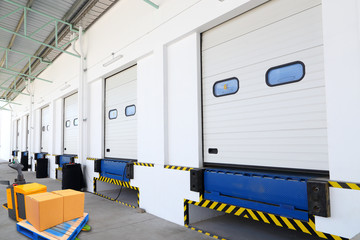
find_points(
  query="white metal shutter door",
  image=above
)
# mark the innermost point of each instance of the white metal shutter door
(71, 129)
(45, 128)
(121, 132)
(281, 126)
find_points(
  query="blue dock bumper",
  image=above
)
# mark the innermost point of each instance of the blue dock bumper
(278, 194)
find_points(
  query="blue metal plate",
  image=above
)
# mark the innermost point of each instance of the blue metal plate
(278, 194)
(65, 159)
(114, 168)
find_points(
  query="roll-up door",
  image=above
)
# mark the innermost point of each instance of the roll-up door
(264, 89)
(45, 128)
(120, 115)
(71, 122)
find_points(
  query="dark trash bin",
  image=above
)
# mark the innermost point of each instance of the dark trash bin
(72, 177)
(25, 160)
(42, 168)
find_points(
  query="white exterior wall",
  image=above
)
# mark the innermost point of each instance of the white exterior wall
(25, 133)
(165, 45)
(184, 102)
(22, 142)
(95, 143)
(18, 132)
(5, 133)
(151, 112)
(152, 144)
(58, 127)
(37, 131)
(15, 134)
(96, 124)
(342, 73)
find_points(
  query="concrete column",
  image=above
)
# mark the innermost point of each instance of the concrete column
(342, 76)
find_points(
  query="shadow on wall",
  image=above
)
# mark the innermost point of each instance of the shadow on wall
(5, 139)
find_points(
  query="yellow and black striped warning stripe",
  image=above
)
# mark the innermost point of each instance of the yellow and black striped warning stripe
(177, 168)
(92, 159)
(94, 184)
(112, 199)
(345, 185)
(107, 197)
(186, 223)
(280, 221)
(204, 232)
(144, 164)
(56, 173)
(138, 198)
(116, 182)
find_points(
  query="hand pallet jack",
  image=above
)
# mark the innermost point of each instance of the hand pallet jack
(17, 191)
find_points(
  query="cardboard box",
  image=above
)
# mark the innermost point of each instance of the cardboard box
(44, 210)
(73, 203)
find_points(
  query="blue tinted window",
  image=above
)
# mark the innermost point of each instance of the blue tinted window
(226, 87)
(287, 73)
(113, 114)
(130, 110)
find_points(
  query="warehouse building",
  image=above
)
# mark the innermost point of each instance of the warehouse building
(200, 112)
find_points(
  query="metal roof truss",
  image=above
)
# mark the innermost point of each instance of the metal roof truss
(51, 20)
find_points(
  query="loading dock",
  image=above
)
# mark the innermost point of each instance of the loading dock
(264, 110)
(120, 139)
(235, 107)
(114, 181)
(117, 190)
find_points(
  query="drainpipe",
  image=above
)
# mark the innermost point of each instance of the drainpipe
(31, 96)
(81, 105)
(12, 133)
